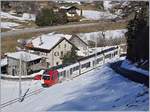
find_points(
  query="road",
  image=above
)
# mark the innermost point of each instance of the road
(51, 28)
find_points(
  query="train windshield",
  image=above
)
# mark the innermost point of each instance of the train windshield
(46, 77)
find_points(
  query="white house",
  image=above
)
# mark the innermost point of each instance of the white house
(29, 63)
(79, 43)
(52, 46)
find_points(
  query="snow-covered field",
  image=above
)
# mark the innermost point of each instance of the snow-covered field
(97, 15)
(25, 16)
(119, 33)
(9, 25)
(100, 89)
(10, 89)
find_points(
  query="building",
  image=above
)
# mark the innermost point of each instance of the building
(76, 40)
(4, 65)
(71, 13)
(51, 46)
(79, 43)
(30, 63)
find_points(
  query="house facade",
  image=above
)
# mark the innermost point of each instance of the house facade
(79, 43)
(52, 47)
(30, 63)
(71, 13)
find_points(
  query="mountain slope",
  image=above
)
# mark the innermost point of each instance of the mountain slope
(101, 89)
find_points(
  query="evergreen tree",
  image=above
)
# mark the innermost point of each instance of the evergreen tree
(70, 57)
(45, 18)
(138, 35)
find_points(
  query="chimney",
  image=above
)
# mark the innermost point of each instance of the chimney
(41, 42)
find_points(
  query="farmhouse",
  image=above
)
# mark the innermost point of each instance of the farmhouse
(71, 13)
(51, 46)
(30, 63)
(79, 43)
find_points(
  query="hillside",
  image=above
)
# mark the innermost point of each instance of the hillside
(99, 90)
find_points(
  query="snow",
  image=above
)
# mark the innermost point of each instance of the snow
(8, 25)
(128, 65)
(96, 15)
(10, 89)
(23, 55)
(25, 16)
(9, 16)
(119, 33)
(107, 5)
(48, 40)
(98, 90)
(68, 1)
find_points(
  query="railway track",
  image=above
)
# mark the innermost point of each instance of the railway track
(18, 99)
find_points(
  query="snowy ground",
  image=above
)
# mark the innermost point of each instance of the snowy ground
(96, 15)
(25, 16)
(128, 65)
(9, 25)
(9, 21)
(119, 33)
(100, 89)
(10, 89)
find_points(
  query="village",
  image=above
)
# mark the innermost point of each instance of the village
(74, 55)
(49, 49)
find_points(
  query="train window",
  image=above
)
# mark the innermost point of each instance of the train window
(74, 68)
(46, 77)
(99, 59)
(87, 64)
(77, 67)
(82, 66)
(70, 70)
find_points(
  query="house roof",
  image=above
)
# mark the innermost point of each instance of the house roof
(48, 41)
(75, 36)
(24, 56)
(68, 8)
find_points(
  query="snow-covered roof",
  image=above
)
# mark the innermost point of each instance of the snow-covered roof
(24, 56)
(48, 41)
(3, 62)
(67, 7)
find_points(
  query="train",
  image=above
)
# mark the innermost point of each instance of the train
(83, 65)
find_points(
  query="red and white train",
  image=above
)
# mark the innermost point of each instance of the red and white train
(54, 75)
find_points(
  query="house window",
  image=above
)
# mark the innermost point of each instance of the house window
(57, 63)
(59, 46)
(56, 53)
(65, 46)
(61, 53)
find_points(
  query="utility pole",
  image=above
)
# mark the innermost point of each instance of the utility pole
(95, 52)
(20, 72)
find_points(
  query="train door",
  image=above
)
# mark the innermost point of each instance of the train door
(68, 74)
(54, 77)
